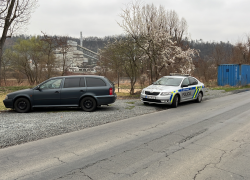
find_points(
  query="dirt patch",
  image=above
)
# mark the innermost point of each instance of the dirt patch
(126, 90)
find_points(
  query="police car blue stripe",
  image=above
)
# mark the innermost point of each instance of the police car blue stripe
(171, 97)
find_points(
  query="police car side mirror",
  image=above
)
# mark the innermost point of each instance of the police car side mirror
(184, 85)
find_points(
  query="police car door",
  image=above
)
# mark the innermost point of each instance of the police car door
(193, 83)
(186, 90)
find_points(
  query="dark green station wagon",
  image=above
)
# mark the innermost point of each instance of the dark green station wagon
(85, 91)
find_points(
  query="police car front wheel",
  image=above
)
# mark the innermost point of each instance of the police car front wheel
(175, 101)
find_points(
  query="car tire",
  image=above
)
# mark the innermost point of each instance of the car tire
(88, 104)
(22, 105)
(175, 101)
(199, 97)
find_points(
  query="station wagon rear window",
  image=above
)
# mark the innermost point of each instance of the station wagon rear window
(74, 82)
(94, 82)
(71, 82)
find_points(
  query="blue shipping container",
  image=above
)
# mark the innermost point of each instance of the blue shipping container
(233, 75)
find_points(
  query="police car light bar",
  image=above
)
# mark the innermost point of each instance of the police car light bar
(179, 74)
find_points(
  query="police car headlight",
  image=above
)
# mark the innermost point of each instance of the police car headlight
(165, 93)
(6, 97)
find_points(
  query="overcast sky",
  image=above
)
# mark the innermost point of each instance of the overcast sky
(209, 20)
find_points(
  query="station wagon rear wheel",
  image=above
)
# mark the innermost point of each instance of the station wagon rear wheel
(88, 104)
(22, 105)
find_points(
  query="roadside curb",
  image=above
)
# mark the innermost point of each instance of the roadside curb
(240, 90)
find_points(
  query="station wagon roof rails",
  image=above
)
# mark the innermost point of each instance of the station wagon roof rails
(179, 74)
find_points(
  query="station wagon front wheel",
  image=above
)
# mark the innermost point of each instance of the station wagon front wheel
(88, 104)
(22, 105)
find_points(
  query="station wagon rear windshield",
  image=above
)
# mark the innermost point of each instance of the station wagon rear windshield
(168, 81)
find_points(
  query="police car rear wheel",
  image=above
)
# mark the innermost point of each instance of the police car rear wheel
(199, 98)
(175, 101)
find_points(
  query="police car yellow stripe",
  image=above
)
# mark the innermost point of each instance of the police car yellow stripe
(172, 96)
(195, 93)
(198, 88)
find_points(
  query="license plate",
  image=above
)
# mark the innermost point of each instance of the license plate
(150, 97)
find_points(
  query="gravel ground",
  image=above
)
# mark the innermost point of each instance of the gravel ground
(18, 128)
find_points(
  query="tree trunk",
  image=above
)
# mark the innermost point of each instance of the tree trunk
(7, 24)
(118, 81)
(4, 74)
(1, 52)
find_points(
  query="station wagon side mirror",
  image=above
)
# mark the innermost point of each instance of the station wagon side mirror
(38, 88)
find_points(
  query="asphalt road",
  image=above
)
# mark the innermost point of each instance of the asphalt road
(208, 140)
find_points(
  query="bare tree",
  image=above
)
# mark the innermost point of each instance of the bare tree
(14, 14)
(21, 60)
(27, 57)
(64, 48)
(130, 57)
(6, 59)
(241, 54)
(222, 55)
(206, 69)
(123, 56)
(49, 49)
(110, 60)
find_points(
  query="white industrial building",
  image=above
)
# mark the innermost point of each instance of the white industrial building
(73, 57)
(76, 58)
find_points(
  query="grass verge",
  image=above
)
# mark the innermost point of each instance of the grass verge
(230, 88)
(9, 89)
(2, 107)
(130, 107)
(123, 95)
(5, 90)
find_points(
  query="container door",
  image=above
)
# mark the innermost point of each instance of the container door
(228, 74)
(245, 75)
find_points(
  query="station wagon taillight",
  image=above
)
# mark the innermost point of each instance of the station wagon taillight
(110, 91)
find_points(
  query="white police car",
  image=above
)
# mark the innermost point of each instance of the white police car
(173, 89)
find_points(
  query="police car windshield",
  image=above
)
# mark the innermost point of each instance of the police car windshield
(168, 81)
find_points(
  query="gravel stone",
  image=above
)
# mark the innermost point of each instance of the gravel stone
(18, 128)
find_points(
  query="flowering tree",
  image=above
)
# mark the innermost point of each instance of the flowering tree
(159, 34)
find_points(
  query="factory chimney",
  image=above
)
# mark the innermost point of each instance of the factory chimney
(81, 39)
